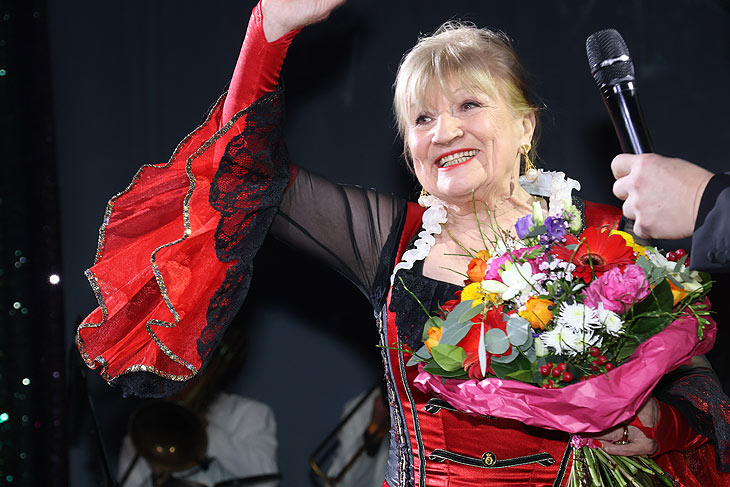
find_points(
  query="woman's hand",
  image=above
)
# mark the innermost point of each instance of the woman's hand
(637, 442)
(283, 16)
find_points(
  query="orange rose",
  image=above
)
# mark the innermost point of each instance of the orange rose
(476, 270)
(539, 312)
(483, 254)
(434, 336)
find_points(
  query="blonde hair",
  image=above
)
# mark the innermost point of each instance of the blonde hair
(480, 60)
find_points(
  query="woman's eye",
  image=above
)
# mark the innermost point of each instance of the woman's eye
(423, 119)
(468, 105)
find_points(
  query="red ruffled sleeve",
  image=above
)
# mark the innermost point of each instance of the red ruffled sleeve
(162, 275)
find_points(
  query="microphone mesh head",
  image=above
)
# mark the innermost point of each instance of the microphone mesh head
(605, 50)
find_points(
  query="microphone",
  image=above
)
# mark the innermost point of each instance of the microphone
(611, 67)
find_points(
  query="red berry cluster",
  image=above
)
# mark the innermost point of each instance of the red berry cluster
(553, 374)
(675, 255)
(599, 364)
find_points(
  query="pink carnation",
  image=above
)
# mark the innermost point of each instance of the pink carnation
(618, 290)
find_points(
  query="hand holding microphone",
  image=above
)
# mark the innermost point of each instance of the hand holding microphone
(660, 194)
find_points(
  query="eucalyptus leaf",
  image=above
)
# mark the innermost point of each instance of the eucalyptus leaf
(421, 355)
(674, 281)
(452, 334)
(464, 311)
(658, 274)
(505, 359)
(496, 341)
(448, 357)
(645, 265)
(529, 351)
(518, 329)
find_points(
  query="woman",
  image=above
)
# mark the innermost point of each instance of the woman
(466, 122)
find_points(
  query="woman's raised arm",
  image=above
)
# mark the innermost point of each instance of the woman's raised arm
(271, 29)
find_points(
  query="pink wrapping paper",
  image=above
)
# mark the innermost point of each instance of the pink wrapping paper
(588, 406)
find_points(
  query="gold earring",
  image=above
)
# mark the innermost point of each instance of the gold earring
(530, 169)
(421, 196)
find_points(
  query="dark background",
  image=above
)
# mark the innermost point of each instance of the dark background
(121, 83)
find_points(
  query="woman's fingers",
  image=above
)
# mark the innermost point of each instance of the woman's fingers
(636, 442)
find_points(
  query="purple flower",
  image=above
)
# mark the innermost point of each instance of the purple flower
(524, 225)
(618, 290)
(555, 227)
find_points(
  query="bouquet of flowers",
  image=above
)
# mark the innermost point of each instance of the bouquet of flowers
(561, 314)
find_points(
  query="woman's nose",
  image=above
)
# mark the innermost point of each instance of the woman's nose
(447, 129)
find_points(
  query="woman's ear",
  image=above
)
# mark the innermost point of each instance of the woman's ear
(528, 126)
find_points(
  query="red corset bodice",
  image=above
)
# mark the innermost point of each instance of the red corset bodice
(455, 449)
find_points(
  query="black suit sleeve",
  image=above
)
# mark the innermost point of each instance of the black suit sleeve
(711, 238)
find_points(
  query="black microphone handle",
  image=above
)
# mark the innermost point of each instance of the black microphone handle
(622, 102)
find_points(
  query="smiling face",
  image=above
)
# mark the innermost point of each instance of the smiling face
(462, 142)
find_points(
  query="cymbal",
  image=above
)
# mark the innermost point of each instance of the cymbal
(168, 435)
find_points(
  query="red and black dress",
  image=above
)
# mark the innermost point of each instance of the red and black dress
(174, 263)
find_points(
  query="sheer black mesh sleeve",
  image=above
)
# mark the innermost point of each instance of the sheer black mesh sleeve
(350, 228)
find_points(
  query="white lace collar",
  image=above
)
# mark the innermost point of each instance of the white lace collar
(548, 183)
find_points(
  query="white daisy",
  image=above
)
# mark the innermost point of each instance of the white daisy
(586, 339)
(610, 320)
(562, 339)
(578, 316)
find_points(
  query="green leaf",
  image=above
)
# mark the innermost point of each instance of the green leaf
(448, 357)
(664, 296)
(673, 280)
(502, 370)
(626, 349)
(496, 341)
(521, 375)
(421, 355)
(433, 369)
(660, 299)
(505, 359)
(538, 230)
(463, 311)
(529, 351)
(518, 329)
(648, 326)
(454, 332)
(645, 265)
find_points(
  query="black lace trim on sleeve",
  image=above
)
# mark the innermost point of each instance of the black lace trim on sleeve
(697, 394)
(247, 190)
